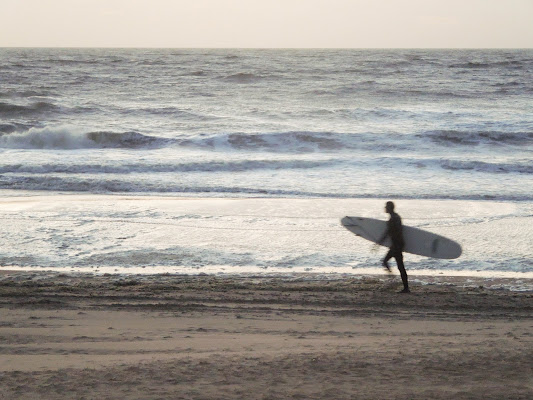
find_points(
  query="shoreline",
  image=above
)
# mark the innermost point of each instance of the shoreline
(499, 280)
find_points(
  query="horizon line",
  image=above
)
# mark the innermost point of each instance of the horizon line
(264, 48)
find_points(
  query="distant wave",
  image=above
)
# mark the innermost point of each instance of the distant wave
(460, 93)
(23, 93)
(516, 64)
(480, 137)
(72, 138)
(170, 111)
(9, 109)
(12, 127)
(98, 185)
(244, 77)
(72, 61)
(145, 167)
(508, 84)
(132, 168)
(195, 73)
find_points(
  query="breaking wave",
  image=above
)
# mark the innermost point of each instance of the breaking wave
(18, 136)
(63, 137)
(276, 141)
(72, 138)
(75, 138)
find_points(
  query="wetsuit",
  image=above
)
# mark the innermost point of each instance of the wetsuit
(395, 232)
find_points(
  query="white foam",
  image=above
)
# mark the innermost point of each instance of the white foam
(186, 235)
(66, 137)
(60, 137)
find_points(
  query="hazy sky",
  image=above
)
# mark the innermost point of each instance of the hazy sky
(267, 23)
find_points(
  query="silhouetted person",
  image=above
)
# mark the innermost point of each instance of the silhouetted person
(395, 232)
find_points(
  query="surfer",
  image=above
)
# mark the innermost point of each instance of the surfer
(394, 231)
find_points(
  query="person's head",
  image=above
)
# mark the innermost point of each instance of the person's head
(389, 207)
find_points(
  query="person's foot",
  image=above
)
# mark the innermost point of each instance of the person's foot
(405, 291)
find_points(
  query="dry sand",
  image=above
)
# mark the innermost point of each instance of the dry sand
(202, 337)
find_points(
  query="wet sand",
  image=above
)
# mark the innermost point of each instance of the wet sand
(204, 337)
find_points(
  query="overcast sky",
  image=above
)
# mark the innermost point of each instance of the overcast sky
(268, 23)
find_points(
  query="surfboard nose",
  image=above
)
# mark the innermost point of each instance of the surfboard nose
(346, 221)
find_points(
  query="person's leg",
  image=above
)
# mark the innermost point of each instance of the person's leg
(385, 261)
(399, 261)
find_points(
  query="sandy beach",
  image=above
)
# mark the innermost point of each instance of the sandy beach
(84, 336)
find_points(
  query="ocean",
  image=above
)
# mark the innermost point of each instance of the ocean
(230, 160)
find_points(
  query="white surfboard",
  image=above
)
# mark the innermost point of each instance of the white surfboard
(417, 241)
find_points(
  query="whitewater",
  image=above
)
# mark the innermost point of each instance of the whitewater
(204, 159)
